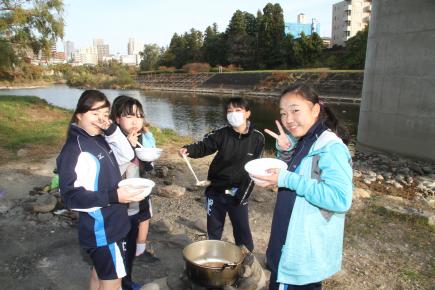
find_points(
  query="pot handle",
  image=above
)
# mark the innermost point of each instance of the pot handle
(229, 265)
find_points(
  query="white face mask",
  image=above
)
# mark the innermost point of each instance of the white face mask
(236, 119)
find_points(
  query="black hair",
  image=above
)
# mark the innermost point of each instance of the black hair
(123, 106)
(237, 102)
(327, 115)
(87, 99)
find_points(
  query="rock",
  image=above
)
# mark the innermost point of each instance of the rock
(431, 220)
(22, 152)
(417, 169)
(181, 240)
(431, 202)
(177, 283)
(162, 226)
(201, 225)
(379, 177)
(359, 193)
(246, 271)
(249, 283)
(356, 173)
(258, 197)
(45, 217)
(44, 203)
(371, 173)
(171, 191)
(162, 282)
(150, 286)
(162, 172)
(367, 181)
(403, 171)
(400, 178)
(167, 182)
(427, 169)
(397, 185)
(6, 205)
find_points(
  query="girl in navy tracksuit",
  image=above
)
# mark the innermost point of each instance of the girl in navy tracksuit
(89, 176)
(235, 144)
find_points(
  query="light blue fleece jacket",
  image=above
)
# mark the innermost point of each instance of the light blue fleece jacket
(314, 243)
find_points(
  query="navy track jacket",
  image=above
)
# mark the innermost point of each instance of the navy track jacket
(88, 177)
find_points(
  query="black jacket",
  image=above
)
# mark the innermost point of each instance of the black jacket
(234, 150)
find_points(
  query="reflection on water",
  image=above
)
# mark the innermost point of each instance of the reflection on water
(187, 114)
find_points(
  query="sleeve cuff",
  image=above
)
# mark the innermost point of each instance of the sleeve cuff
(287, 179)
(113, 196)
(112, 128)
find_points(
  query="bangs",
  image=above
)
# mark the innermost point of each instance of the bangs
(129, 111)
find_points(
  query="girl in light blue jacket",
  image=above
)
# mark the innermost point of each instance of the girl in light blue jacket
(306, 240)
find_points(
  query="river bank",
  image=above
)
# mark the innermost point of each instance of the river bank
(335, 86)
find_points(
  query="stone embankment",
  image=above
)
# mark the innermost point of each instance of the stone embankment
(336, 86)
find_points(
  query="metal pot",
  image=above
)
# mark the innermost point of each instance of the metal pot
(213, 263)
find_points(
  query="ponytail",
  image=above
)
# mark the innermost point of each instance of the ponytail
(328, 117)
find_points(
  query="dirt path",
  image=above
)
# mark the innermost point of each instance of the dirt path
(382, 251)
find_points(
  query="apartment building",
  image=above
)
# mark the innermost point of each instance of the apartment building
(349, 17)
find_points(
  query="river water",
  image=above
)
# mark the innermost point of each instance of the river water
(188, 114)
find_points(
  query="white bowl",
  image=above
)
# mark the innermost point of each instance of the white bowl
(261, 165)
(137, 184)
(148, 154)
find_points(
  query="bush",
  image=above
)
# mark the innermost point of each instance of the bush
(196, 67)
(167, 68)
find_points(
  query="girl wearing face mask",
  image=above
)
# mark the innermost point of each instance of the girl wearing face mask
(235, 144)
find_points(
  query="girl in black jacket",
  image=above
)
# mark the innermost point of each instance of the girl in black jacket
(230, 187)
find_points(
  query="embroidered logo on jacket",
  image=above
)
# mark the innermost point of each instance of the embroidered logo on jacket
(100, 156)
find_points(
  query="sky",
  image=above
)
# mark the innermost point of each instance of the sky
(156, 21)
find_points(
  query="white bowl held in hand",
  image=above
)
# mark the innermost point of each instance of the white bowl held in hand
(148, 154)
(141, 185)
(261, 165)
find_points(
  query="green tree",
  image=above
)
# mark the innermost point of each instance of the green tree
(241, 39)
(355, 50)
(28, 26)
(271, 36)
(150, 57)
(307, 50)
(213, 48)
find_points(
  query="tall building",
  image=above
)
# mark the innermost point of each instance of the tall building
(349, 17)
(69, 49)
(98, 41)
(102, 49)
(300, 26)
(134, 46)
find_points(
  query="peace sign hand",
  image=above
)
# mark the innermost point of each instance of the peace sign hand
(282, 140)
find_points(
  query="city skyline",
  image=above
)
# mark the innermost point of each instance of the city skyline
(120, 21)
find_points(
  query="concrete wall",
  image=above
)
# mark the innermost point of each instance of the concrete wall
(398, 98)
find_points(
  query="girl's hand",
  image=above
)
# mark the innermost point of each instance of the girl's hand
(133, 138)
(183, 151)
(268, 180)
(283, 141)
(103, 124)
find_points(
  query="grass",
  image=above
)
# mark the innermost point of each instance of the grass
(169, 136)
(30, 123)
(312, 70)
(406, 242)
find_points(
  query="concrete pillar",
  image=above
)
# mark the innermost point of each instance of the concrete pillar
(398, 98)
